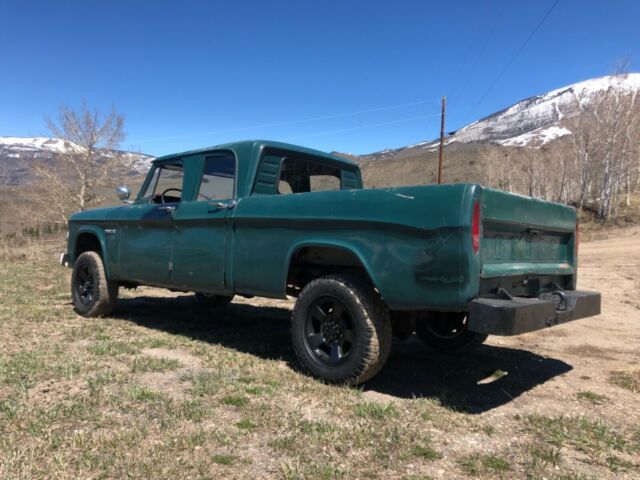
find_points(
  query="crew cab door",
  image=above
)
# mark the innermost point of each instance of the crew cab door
(147, 227)
(202, 226)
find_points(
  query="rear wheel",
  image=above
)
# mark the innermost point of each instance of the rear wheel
(215, 301)
(93, 294)
(448, 332)
(340, 330)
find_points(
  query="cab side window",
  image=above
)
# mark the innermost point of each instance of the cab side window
(219, 177)
(166, 184)
(298, 176)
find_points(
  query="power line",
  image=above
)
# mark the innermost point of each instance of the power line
(291, 122)
(468, 54)
(462, 86)
(513, 58)
(361, 127)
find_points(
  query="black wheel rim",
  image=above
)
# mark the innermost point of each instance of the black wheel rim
(329, 331)
(447, 325)
(84, 284)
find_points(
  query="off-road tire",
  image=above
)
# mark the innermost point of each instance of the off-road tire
(463, 341)
(104, 292)
(371, 328)
(214, 301)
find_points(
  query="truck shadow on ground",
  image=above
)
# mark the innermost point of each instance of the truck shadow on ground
(474, 382)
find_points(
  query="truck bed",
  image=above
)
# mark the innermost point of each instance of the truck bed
(414, 242)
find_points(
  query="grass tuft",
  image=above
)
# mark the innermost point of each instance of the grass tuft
(222, 459)
(204, 383)
(544, 456)
(143, 394)
(617, 464)
(583, 433)
(234, 400)
(375, 410)
(246, 424)
(112, 348)
(154, 364)
(425, 452)
(629, 380)
(592, 397)
(478, 464)
(192, 410)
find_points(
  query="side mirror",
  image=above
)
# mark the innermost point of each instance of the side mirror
(123, 192)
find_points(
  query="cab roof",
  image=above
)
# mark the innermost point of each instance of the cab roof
(256, 146)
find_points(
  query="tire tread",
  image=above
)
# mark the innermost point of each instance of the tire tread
(105, 290)
(378, 326)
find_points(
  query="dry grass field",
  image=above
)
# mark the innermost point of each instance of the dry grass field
(165, 388)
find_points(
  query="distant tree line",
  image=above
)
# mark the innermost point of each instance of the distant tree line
(34, 231)
(603, 169)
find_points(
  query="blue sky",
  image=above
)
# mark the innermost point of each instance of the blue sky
(352, 76)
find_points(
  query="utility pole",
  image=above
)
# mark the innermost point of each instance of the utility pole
(441, 152)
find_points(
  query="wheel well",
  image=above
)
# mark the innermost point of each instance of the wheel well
(87, 242)
(308, 263)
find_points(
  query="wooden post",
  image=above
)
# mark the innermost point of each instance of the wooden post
(441, 152)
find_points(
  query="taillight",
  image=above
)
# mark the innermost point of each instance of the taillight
(475, 227)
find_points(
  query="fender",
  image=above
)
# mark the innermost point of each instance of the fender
(337, 244)
(98, 232)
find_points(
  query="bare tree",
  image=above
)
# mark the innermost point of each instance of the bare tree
(88, 161)
(499, 169)
(605, 141)
(604, 169)
(4, 174)
(535, 182)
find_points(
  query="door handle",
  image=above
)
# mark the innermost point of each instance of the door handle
(228, 205)
(167, 208)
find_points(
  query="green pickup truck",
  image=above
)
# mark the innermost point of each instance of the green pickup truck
(452, 263)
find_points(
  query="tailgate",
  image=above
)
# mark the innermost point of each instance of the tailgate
(525, 236)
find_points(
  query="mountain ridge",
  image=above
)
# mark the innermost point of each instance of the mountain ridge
(17, 152)
(531, 122)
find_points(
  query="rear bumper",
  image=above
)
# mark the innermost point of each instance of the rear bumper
(496, 316)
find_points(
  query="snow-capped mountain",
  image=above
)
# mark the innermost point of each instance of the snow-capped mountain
(537, 120)
(18, 145)
(532, 122)
(17, 152)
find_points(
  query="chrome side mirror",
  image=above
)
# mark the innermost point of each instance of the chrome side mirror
(123, 193)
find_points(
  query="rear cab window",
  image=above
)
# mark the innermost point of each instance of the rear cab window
(285, 173)
(299, 176)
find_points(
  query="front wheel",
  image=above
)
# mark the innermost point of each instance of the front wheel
(93, 294)
(448, 332)
(340, 330)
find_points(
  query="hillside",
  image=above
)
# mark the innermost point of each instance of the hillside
(18, 153)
